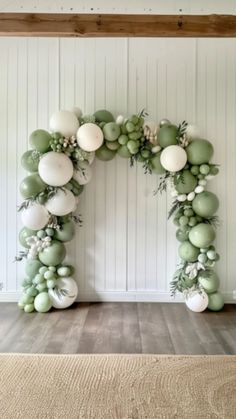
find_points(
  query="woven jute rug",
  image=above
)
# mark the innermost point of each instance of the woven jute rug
(117, 386)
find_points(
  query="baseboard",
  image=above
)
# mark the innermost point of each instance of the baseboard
(125, 296)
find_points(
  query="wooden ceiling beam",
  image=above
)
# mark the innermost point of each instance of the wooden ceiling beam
(114, 25)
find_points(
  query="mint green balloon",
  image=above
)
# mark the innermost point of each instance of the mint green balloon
(103, 116)
(182, 235)
(202, 235)
(111, 131)
(40, 140)
(156, 164)
(185, 183)
(42, 302)
(199, 151)
(30, 161)
(66, 232)
(209, 281)
(32, 267)
(64, 271)
(167, 135)
(205, 204)
(188, 252)
(32, 185)
(216, 301)
(24, 234)
(54, 254)
(29, 308)
(104, 153)
(124, 152)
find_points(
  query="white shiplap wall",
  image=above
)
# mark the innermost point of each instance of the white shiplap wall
(126, 249)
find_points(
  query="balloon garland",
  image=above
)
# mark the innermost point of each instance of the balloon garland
(59, 166)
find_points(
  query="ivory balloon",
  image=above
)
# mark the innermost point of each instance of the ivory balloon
(83, 174)
(197, 302)
(64, 122)
(62, 203)
(89, 137)
(64, 300)
(173, 158)
(35, 217)
(56, 169)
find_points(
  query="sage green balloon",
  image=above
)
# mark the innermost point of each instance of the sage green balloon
(124, 152)
(199, 151)
(188, 252)
(40, 140)
(205, 204)
(54, 254)
(112, 145)
(209, 280)
(29, 308)
(202, 235)
(24, 234)
(111, 131)
(104, 116)
(42, 302)
(104, 154)
(32, 267)
(30, 161)
(156, 164)
(66, 232)
(185, 183)
(216, 301)
(182, 235)
(167, 135)
(32, 185)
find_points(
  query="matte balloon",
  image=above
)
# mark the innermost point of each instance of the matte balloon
(31, 186)
(54, 254)
(209, 280)
(83, 173)
(62, 203)
(64, 122)
(197, 302)
(173, 158)
(66, 232)
(105, 154)
(63, 300)
(205, 204)
(32, 267)
(124, 152)
(35, 217)
(216, 301)
(24, 234)
(42, 302)
(111, 131)
(182, 235)
(30, 160)
(186, 182)
(104, 116)
(188, 252)
(202, 235)
(56, 169)
(156, 164)
(199, 151)
(89, 137)
(167, 135)
(40, 140)
(164, 121)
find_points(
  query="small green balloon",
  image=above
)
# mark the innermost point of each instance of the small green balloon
(199, 151)
(216, 301)
(30, 161)
(181, 235)
(209, 281)
(42, 302)
(103, 115)
(104, 153)
(32, 267)
(186, 182)
(64, 271)
(112, 145)
(205, 204)
(32, 185)
(124, 152)
(54, 254)
(40, 140)
(111, 131)
(167, 135)
(188, 252)
(66, 232)
(202, 235)
(29, 308)
(123, 139)
(24, 234)
(156, 164)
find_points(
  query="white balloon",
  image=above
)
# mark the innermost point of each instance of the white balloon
(56, 169)
(83, 174)
(64, 122)
(120, 119)
(89, 137)
(77, 111)
(35, 217)
(173, 158)
(67, 297)
(62, 203)
(197, 302)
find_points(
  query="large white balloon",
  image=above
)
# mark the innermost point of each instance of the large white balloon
(173, 158)
(56, 169)
(89, 137)
(83, 174)
(197, 302)
(35, 217)
(62, 203)
(64, 122)
(64, 294)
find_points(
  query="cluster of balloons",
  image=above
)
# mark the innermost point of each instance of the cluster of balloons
(59, 166)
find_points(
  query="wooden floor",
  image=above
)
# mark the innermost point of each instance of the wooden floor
(158, 328)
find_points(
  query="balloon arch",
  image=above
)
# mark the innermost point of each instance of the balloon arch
(59, 166)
